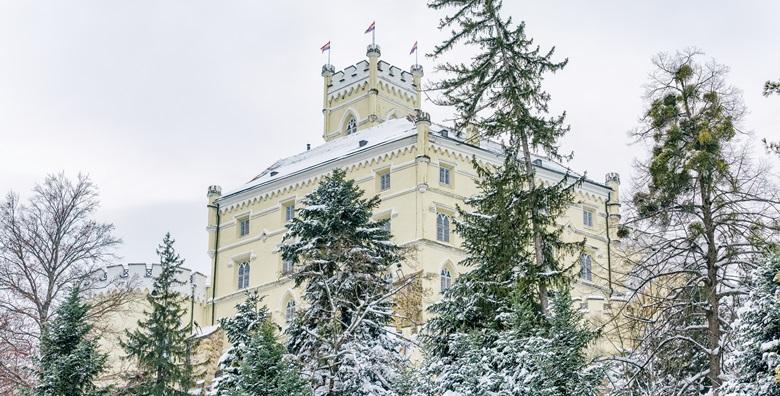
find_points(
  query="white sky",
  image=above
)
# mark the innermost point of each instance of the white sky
(156, 100)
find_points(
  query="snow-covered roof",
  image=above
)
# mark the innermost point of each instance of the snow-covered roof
(366, 139)
(335, 149)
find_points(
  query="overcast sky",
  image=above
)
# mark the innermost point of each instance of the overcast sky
(156, 100)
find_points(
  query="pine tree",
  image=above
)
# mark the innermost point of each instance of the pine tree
(703, 215)
(266, 370)
(70, 360)
(494, 331)
(161, 345)
(756, 358)
(341, 256)
(239, 329)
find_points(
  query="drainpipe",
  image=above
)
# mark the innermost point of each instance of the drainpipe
(609, 244)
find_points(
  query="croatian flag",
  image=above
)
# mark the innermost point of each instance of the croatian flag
(370, 27)
(325, 47)
(414, 48)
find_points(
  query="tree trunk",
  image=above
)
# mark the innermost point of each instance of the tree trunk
(713, 301)
(538, 253)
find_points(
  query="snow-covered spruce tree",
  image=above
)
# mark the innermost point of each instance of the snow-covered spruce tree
(70, 360)
(701, 219)
(500, 94)
(342, 337)
(239, 329)
(493, 332)
(755, 361)
(266, 369)
(161, 345)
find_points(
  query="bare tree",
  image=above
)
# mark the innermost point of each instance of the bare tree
(703, 216)
(46, 245)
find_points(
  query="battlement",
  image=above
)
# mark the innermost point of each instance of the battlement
(359, 72)
(140, 276)
(612, 177)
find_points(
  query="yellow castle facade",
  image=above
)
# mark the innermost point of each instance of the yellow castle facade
(373, 128)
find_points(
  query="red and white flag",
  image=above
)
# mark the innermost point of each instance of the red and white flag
(370, 27)
(414, 48)
(325, 47)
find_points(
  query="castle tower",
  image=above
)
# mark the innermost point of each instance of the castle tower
(367, 93)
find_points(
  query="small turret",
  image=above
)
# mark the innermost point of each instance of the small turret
(417, 73)
(423, 123)
(612, 180)
(327, 79)
(213, 194)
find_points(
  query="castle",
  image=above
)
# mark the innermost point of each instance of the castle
(375, 130)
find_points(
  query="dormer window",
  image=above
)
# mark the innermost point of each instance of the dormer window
(351, 126)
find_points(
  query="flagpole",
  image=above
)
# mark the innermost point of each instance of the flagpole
(373, 36)
(328, 55)
(416, 62)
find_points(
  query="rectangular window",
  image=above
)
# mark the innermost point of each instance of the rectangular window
(442, 228)
(287, 267)
(587, 217)
(243, 226)
(384, 181)
(289, 211)
(444, 175)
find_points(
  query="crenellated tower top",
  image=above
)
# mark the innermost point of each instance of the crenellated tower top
(367, 93)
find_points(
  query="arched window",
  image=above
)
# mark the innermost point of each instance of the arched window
(446, 280)
(442, 227)
(289, 311)
(586, 267)
(351, 126)
(243, 275)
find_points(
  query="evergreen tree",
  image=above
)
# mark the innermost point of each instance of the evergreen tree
(266, 370)
(493, 332)
(341, 256)
(756, 358)
(239, 329)
(70, 360)
(500, 94)
(161, 345)
(703, 216)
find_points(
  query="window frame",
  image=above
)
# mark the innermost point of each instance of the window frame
(289, 311)
(288, 211)
(442, 227)
(586, 272)
(243, 226)
(350, 127)
(587, 217)
(287, 267)
(445, 172)
(445, 280)
(385, 181)
(244, 269)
